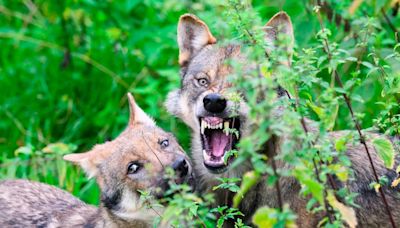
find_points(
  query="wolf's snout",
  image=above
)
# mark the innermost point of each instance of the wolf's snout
(214, 103)
(181, 167)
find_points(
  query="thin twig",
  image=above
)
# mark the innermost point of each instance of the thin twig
(392, 27)
(151, 149)
(20, 16)
(277, 185)
(253, 40)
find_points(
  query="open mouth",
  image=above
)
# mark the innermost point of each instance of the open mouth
(218, 136)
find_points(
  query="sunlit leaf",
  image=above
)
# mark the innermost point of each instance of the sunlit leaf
(384, 149)
(249, 180)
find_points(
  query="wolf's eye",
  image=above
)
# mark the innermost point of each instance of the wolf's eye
(133, 167)
(164, 143)
(203, 82)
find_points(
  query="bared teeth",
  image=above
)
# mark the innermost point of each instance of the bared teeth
(202, 126)
(222, 125)
(206, 156)
(226, 127)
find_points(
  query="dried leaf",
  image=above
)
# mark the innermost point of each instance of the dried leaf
(348, 214)
(395, 182)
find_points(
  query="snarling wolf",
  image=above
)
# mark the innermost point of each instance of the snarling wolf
(201, 104)
(135, 161)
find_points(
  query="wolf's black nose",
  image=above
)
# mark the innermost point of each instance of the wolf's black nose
(180, 167)
(214, 103)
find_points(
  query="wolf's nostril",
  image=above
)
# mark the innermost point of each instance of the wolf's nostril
(214, 103)
(181, 167)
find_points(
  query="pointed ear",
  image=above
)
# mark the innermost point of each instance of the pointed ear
(90, 160)
(193, 35)
(280, 24)
(87, 161)
(137, 115)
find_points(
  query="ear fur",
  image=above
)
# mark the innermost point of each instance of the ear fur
(279, 24)
(90, 160)
(193, 35)
(137, 115)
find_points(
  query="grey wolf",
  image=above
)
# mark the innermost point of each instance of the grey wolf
(201, 104)
(134, 161)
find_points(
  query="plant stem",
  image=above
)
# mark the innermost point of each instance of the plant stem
(357, 124)
(316, 171)
(388, 21)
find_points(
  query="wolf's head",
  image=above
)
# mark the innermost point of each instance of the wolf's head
(201, 101)
(135, 161)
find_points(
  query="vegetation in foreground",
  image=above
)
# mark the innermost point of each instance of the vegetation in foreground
(65, 68)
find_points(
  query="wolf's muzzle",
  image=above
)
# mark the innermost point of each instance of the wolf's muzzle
(214, 103)
(181, 167)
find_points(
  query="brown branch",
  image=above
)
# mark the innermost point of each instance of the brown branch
(392, 27)
(271, 146)
(332, 15)
(357, 124)
(253, 40)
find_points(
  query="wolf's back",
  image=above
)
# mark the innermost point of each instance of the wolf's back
(30, 204)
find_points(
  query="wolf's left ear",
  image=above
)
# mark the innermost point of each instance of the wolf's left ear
(280, 24)
(137, 115)
(193, 35)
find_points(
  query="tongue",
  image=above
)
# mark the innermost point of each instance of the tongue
(219, 140)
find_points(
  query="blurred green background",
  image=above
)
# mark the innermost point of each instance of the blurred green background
(66, 66)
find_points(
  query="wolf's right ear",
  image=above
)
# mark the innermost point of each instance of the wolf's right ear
(193, 35)
(280, 24)
(137, 115)
(90, 160)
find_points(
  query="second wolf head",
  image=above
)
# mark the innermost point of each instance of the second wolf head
(137, 160)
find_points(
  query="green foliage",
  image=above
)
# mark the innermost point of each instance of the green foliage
(228, 183)
(271, 217)
(385, 150)
(65, 68)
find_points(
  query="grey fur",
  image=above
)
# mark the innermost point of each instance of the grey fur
(186, 103)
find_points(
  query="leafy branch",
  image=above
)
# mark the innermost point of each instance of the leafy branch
(357, 124)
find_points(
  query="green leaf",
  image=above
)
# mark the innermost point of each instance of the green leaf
(385, 151)
(263, 218)
(249, 180)
(24, 150)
